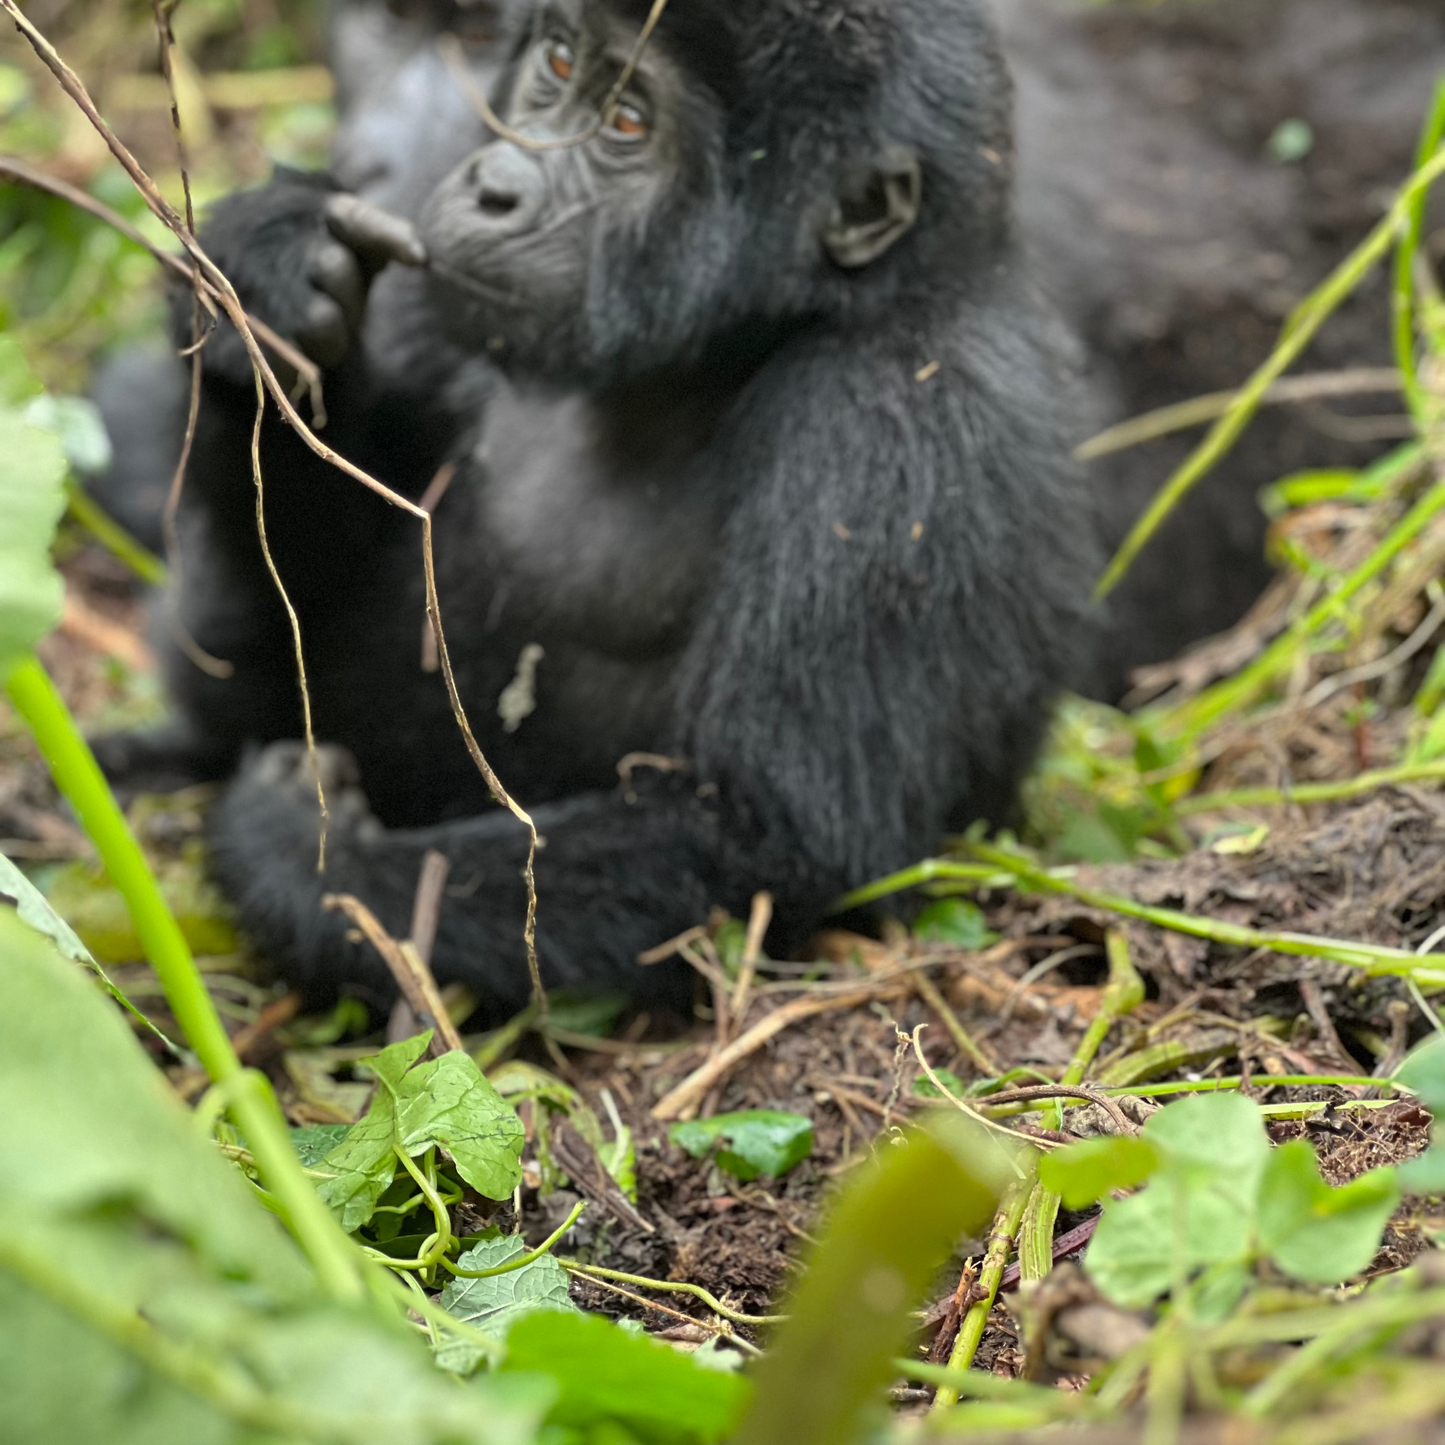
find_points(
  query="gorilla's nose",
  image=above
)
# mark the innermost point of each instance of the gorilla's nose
(509, 186)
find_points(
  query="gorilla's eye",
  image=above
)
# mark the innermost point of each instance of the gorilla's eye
(560, 58)
(628, 120)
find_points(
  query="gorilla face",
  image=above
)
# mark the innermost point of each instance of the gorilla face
(690, 214)
(405, 116)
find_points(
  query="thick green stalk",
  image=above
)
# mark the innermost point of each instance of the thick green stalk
(247, 1094)
(990, 1276)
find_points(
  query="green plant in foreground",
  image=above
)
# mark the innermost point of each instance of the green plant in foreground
(1217, 1199)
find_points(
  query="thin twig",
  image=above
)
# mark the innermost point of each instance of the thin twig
(682, 1102)
(311, 756)
(758, 920)
(412, 976)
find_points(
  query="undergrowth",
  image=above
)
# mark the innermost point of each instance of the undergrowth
(211, 1275)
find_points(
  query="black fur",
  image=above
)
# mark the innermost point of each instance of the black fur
(812, 530)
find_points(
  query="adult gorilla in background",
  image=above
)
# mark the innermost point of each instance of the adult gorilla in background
(765, 470)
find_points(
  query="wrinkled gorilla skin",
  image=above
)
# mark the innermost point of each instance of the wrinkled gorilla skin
(1157, 220)
(772, 465)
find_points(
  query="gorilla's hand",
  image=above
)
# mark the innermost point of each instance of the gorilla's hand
(302, 258)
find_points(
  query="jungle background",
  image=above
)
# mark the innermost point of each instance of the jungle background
(1225, 892)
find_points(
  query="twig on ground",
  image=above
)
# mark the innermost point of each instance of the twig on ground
(412, 975)
(967, 1044)
(758, 920)
(682, 1102)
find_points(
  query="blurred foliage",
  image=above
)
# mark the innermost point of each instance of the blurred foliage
(71, 289)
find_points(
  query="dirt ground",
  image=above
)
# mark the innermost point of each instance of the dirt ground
(840, 1052)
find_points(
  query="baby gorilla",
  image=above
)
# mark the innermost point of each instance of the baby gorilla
(764, 478)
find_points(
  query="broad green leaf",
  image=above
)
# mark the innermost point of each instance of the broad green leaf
(1165, 1232)
(1218, 1136)
(1086, 1172)
(1198, 1208)
(35, 910)
(76, 423)
(608, 1375)
(447, 1102)
(365, 1160)
(1315, 1233)
(1423, 1072)
(316, 1141)
(954, 921)
(444, 1102)
(755, 1141)
(925, 1088)
(32, 498)
(497, 1303)
(146, 1298)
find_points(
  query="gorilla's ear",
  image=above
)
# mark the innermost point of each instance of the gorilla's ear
(875, 208)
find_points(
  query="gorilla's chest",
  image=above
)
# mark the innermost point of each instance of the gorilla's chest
(594, 533)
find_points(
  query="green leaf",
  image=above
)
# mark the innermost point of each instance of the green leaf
(32, 498)
(1423, 1073)
(1167, 1231)
(447, 1102)
(1220, 1136)
(610, 1376)
(497, 1303)
(33, 908)
(77, 424)
(443, 1102)
(1198, 1209)
(954, 921)
(316, 1141)
(1086, 1172)
(145, 1297)
(1317, 1234)
(757, 1141)
(925, 1088)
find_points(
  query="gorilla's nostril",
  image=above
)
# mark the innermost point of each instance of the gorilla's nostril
(496, 203)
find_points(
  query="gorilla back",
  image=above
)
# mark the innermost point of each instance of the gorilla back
(772, 480)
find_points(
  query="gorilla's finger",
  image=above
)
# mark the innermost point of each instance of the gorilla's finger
(323, 333)
(337, 272)
(376, 234)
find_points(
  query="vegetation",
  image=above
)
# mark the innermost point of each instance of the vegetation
(217, 1274)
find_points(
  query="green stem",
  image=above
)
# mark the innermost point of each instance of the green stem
(1191, 718)
(1355, 787)
(113, 537)
(1300, 330)
(990, 1276)
(249, 1095)
(522, 1260)
(1372, 959)
(1412, 233)
(575, 1266)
